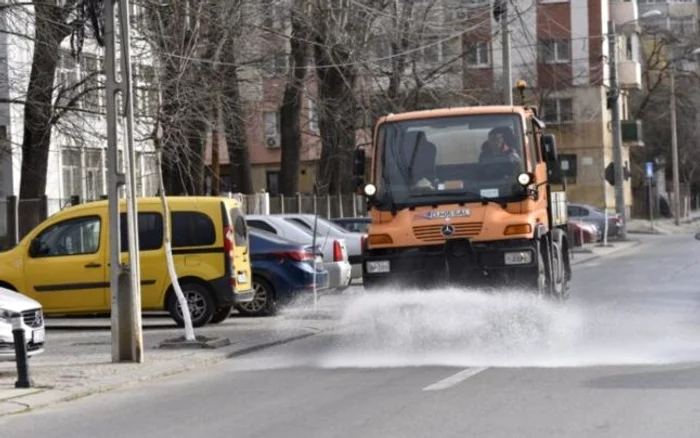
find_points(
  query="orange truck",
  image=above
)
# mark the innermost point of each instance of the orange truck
(467, 196)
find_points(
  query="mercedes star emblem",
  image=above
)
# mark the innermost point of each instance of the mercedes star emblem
(448, 230)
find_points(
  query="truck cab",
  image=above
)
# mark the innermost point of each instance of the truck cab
(465, 196)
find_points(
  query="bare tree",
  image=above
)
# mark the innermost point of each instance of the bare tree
(652, 104)
(290, 110)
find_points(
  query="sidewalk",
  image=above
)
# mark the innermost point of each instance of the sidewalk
(665, 226)
(595, 251)
(77, 361)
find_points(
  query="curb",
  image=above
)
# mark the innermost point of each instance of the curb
(46, 396)
(633, 243)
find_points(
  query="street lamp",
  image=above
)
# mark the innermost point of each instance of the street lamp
(616, 122)
(674, 139)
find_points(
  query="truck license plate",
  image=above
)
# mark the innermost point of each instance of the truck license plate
(38, 336)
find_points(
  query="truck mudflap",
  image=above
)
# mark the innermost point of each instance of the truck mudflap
(459, 262)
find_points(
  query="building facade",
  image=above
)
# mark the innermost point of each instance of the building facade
(77, 163)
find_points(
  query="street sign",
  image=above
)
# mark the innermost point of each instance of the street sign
(650, 169)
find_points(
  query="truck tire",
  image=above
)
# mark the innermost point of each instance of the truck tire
(559, 288)
(534, 280)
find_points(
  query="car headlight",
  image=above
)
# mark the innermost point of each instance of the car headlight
(6, 316)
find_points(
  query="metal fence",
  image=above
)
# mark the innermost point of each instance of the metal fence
(330, 206)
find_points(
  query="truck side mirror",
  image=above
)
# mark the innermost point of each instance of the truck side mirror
(549, 149)
(550, 155)
(359, 167)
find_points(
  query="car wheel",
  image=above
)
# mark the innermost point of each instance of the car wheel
(221, 315)
(199, 301)
(263, 302)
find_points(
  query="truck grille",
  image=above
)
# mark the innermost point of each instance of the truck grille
(33, 318)
(433, 233)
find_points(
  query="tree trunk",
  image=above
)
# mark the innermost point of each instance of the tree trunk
(39, 112)
(337, 116)
(290, 111)
(235, 128)
(38, 109)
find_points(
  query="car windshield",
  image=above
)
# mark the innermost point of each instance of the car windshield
(453, 158)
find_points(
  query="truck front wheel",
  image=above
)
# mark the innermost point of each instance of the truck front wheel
(534, 279)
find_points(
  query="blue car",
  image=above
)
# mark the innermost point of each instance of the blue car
(282, 271)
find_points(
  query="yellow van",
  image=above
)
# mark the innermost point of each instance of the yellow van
(64, 262)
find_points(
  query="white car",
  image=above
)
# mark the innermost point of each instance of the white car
(335, 254)
(328, 228)
(12, 305)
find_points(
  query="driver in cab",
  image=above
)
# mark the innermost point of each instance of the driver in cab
(498, 148)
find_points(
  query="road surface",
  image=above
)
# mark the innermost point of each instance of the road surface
(619, 361)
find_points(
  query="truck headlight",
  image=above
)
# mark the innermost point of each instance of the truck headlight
(518, 258)
(378, 266)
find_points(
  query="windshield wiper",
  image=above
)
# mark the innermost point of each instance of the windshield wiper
(476, 197)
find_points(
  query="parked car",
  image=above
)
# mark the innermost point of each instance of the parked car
(328, 228)
(282, 271)
(13, 304)
(584, 233)
(353, 224)
(591, 214)
(63, 263)
(335, 254)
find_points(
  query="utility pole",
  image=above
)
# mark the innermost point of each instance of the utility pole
(674, 149)
(127, 336)
(505, 42)
(616, 130)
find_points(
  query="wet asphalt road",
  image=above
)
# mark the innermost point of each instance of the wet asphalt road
(619, 360)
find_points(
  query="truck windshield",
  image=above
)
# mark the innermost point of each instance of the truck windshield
(450, 159)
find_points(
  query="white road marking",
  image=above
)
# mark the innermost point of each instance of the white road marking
(454, 379)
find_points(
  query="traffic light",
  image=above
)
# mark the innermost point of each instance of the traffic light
(610, 173)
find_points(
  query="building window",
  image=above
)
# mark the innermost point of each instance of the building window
(273, 17)
(71, 171)
(277, 64)
(558, 110)
(271, 128)
(151, 183)
(91, 69)
(138, 174)
(555, 51)
(431, 51)
(629, 50)
(684, 25)
(313, 117)
(145, 91)
(478, 54)
(67, 78)
(94, 171)
(273, 182)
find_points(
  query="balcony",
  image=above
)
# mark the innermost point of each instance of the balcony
(624, 12)
(630, 74)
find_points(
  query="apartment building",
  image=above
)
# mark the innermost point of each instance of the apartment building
(560, 48)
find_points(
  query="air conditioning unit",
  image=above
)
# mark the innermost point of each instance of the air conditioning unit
(272, 142)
